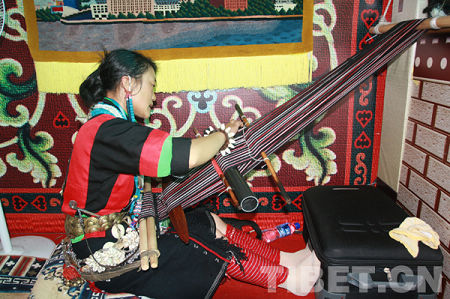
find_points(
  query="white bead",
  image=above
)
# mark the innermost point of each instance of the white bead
(375, 29)
(433, 24)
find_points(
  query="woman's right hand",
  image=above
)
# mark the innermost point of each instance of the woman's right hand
(234, 125)
(205, 148)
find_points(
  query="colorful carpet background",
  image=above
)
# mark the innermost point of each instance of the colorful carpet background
(37, 128)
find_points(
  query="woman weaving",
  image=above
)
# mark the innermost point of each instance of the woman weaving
(111, 151)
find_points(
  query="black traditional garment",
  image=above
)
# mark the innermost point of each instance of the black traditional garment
(108, 153)
(192, 270)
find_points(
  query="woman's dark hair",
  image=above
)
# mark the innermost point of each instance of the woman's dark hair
(113, 67)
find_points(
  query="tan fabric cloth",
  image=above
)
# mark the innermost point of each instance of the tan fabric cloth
(411, 231)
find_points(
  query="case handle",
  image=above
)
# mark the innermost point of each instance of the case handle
(404, 283)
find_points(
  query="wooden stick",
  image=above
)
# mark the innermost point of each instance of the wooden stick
(152, 243)
(143, 244)
(266, 159)
(442, 22)
(275, 178)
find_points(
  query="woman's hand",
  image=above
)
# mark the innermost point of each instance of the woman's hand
(205, 148)
(234, 125)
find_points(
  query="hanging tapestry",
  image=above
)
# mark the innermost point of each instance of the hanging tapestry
(241, 43)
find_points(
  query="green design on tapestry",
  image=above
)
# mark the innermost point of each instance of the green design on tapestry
(279, 94)
(325, 18)
(254, 173)
(14, 29)
(282, 94)
(2, 168)
(36, 158)
(10, 92)
(316, 160)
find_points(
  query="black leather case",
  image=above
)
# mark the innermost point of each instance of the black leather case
(348, 228)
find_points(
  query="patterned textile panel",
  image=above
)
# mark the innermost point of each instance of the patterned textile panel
(18, 273)
(341, 148)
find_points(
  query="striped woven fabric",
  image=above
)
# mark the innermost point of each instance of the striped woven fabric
(276, 128)
(18, 273)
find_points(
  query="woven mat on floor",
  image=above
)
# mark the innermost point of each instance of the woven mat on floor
(18, 273)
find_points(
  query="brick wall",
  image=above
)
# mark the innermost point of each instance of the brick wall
(425, 175)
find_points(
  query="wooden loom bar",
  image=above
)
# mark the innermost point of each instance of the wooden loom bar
(266, 159)
(441, 22)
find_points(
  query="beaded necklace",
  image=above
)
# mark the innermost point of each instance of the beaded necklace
(111, 107)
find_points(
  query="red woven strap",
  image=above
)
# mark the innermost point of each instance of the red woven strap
(217, 167)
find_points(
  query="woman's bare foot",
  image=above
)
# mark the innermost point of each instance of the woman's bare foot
(291, 259)
(221, 227)
(301, 278)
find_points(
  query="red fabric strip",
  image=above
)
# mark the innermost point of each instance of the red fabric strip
(120, 194)
(151, 152)
(101, 234)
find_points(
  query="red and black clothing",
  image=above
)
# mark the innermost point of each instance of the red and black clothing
(109, 152)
